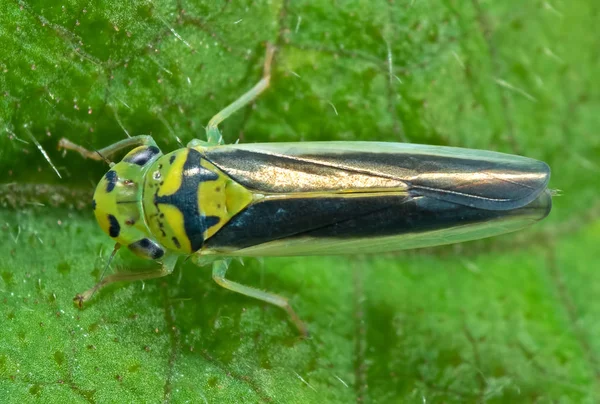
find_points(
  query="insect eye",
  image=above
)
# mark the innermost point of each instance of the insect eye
(147, 248)
(141, 155)
(128, 182)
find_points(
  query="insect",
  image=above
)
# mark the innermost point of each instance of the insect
(211, 202)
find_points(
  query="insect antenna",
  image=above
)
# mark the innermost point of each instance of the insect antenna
(66, 144)
(107, 161)
(100, 282)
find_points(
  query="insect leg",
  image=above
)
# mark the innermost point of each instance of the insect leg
(166, 267)
(219, 271)
(213, 135)
(107, 151)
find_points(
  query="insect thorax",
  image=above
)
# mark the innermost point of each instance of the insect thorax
(187, 200)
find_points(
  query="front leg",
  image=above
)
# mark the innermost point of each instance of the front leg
(166, 267)
(106, 152)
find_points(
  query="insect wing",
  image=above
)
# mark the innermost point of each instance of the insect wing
(349, 197)
(476, 178)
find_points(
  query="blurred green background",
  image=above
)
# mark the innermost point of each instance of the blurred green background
(511, 319)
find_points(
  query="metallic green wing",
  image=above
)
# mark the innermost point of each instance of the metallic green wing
(353, 197)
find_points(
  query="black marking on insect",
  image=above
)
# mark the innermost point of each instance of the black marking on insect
(171, 159)
(186, 199)
(176, 242)
(111, 180)
(93, 204)
(143, 156)
(148, 248)
(115, 228)
(129, 222)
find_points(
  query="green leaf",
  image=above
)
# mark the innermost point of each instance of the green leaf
(512, 319)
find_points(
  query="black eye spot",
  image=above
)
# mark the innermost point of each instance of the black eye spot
(147, 248)
(93, 204)
(111, 180)
(143, 156)
(114, 229)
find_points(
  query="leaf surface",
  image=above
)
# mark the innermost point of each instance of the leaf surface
(511, 319)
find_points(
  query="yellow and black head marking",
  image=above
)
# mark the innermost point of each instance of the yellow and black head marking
(154, 203)
(187, 200)
(117, 203)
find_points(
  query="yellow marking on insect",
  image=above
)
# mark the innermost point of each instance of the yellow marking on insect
(337, 195)
(174, 176)
(222, 197)
(174, 218)
(106, 203)
(103, 221)
(237, 198)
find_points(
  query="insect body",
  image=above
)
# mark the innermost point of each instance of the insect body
(315, 198)
(212, 202)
